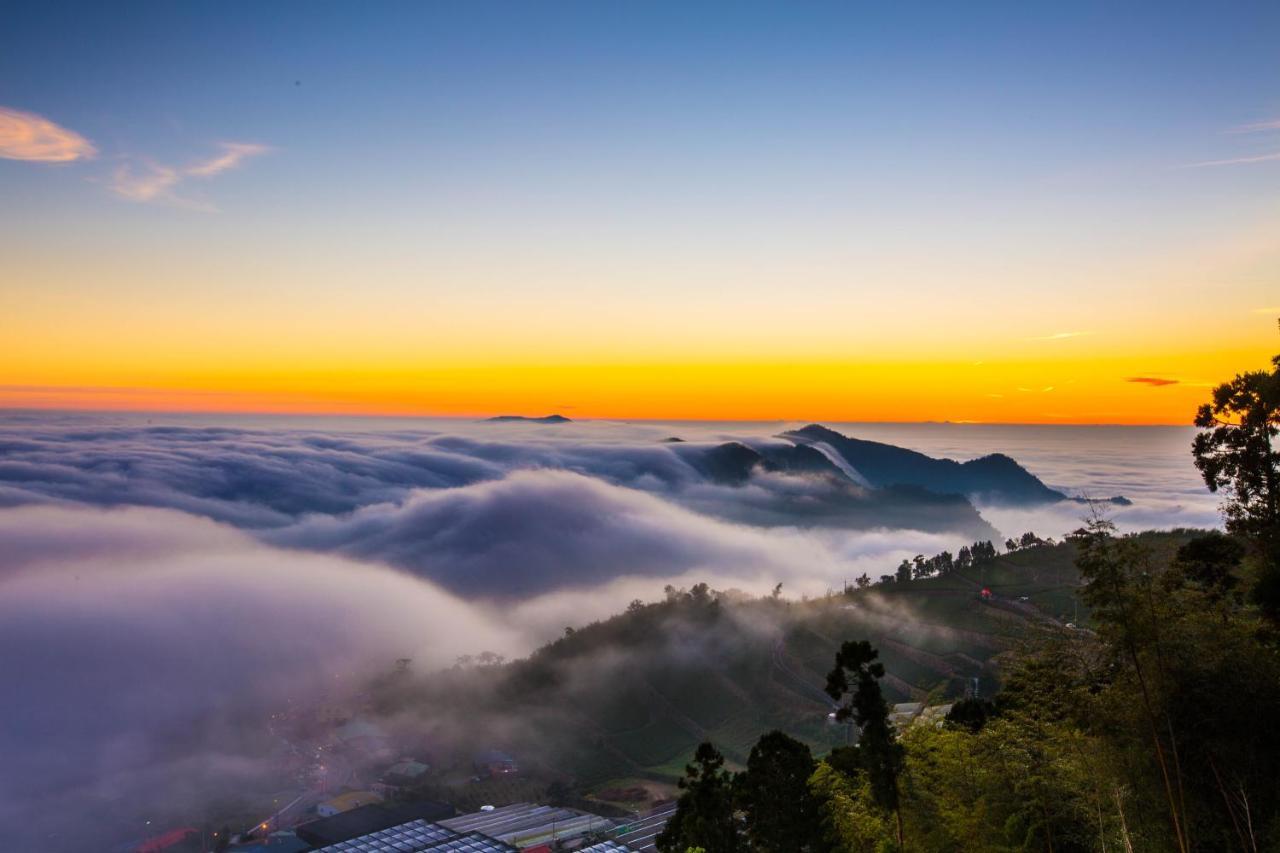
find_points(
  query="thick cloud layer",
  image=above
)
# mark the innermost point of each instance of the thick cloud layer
(540, 531)
(511, 510)
(133, 642)
(499, 511)
(250, 478)
(535, 531)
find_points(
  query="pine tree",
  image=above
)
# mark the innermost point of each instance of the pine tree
(704, 815)
(782, 814)
(877, 752)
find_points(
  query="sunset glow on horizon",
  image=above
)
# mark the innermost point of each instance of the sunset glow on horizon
(1102, 391)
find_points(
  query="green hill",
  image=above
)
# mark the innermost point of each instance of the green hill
(630, 697)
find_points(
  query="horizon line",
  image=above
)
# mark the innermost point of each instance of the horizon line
(275, 413)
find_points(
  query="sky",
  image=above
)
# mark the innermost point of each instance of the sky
(822, 211)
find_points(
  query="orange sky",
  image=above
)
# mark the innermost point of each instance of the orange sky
(1101, 390)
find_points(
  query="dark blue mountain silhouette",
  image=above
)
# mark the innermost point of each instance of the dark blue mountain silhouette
(548, 419)
(995, 478)
(831, 499)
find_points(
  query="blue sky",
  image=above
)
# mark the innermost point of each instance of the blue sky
(912, 98)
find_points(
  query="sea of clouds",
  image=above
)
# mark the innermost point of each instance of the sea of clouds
(163, 579)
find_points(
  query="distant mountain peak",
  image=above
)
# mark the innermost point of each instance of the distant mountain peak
(997, 478)
(546, 419)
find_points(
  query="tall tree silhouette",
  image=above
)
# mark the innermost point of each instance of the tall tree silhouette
(1235, 453)
(782, 813)
(878, 753)
(704, 815)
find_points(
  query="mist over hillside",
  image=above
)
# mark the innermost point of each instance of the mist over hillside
(632, 695)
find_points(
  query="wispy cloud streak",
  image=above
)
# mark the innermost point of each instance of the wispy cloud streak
(233, 154)
(146, 181)
(149, 181)
(1235, 161)
(26, 136)
(1258, 126)
(1267, 126)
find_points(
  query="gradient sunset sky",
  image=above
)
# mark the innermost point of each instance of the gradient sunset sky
(1022, 212)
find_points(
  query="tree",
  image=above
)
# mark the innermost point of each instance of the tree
(848, 819)
(782, 814)
(983, 552)
(1210, 562)
(1235, 451)
(1236, 454)
(971, 714)
(878, 752)
(704, 815)
(1119, 590)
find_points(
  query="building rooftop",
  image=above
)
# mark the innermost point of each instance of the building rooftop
(474, 842)
(503, 830)
(528, 825)
(934, 715)
(641, 833)
(606, 847)
(419, 836)
(172, 838)
(278, 842)
(407, 769)
(369, 819)
(352, 799)
(414, 835)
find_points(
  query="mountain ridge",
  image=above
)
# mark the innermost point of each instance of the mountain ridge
(994, 478)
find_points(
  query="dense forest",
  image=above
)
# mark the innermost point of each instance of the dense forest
(1150, 728)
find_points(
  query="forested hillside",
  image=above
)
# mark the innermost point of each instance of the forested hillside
(632, 696)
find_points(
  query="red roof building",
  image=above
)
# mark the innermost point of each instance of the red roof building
(172, 838)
